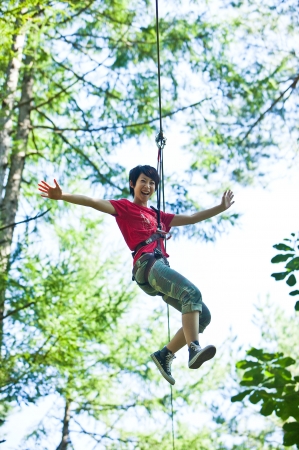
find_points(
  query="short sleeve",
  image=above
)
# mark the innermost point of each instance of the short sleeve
(120, 207)
(166, 219)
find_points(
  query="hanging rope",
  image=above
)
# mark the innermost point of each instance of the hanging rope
(159, 71)
(161, 142)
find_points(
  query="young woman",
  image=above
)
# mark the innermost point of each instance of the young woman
(138, 225)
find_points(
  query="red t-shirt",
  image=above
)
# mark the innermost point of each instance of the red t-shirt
(137, 223)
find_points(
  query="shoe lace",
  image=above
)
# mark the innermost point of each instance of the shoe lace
(168, 361)
(195, 347)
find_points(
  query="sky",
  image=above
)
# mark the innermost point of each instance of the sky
(233, 274)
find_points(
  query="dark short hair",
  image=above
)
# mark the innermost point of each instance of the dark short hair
(146, 170)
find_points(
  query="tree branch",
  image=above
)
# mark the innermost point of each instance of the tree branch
(92, 164)
(26, 220)
(113, 127)
(10, 313)
(80, 152)
(261, 117)
(79, 77)
(82, 10)
(62, 91)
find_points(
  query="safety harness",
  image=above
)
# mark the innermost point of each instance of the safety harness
(150, 257)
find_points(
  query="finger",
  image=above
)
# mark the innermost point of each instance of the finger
(45, 196)
(42, 186)
(46, 184)
(56, 184)
(43, 190)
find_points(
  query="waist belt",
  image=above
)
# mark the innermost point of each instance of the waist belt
(154, 237)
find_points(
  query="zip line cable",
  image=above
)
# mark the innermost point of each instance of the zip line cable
(161, 142)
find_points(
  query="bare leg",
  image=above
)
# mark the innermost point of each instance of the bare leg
(177, 342)
(187, 334)
(190, 326)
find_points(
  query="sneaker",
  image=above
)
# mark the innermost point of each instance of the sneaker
(163, 359)
(198, 355)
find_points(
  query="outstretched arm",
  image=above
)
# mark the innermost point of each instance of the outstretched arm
(182, 219)
(55, 193)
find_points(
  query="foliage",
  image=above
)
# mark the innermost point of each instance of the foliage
(250, 79)
(289, 253)
(270, 382)
(71, 334)
(266, 375)
(67, 329)
(96, 89)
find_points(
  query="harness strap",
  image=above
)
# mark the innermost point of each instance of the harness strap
(154, 237)
(151, 259)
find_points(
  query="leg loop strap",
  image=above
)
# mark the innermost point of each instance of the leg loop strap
(151, 259)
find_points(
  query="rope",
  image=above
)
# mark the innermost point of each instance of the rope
(161, 142)
(159, 71)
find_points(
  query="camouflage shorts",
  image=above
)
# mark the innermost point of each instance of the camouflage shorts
(175, 289)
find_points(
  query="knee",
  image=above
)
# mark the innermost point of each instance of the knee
(204, 318)
(191, 295)
(191, 300)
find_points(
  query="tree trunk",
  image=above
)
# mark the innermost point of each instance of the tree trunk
(10, 88)
(65, 430)
(12, 191)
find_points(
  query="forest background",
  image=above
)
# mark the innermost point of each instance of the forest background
(79, 101)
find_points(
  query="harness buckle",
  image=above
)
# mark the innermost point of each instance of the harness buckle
(158, 254)
(164, 233)
(160, 140)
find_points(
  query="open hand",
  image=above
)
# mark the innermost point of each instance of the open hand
(227, 199)
(53, 192)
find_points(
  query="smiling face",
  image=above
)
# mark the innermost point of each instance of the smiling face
(143, 189)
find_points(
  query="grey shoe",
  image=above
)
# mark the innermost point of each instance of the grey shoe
(163, 359)
(198, 355)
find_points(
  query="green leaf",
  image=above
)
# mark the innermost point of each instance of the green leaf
(291, 281)
(254, 373)
(279, 275)
(291, 438)
(283, 247)
(285, 362)
(262, 355)
(282, 376)
(255, 352)
(247, 383)
(255, 397)
(281, 258)
(291, 426)
(294, 292)
(293, 264)
(246, 364)
(268, 407)
(297, 306)
(239, 397)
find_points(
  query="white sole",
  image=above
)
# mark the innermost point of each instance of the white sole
(204, 355)
(163, 373)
